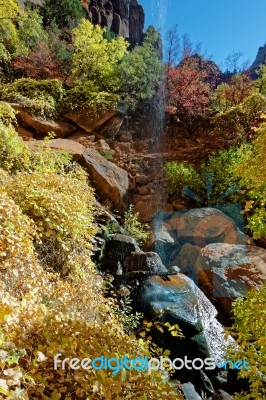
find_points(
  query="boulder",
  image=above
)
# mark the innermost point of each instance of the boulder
(43, 126)
(222, 395)
(140, 261)
(173, 299)
(117, 250)
(187, 257)
(227, 271)
(109, 181)
(202, 226)
(190, 392)
(74, 148)
(106, 125)
(197, 227)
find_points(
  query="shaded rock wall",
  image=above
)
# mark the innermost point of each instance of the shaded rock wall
(123, 17)
(260, 59)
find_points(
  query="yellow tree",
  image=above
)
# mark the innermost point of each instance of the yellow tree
(96, 58)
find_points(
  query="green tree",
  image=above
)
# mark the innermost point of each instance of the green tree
(10, 41)
(96, 58)
(260, 83)
(65, 13)
(141, 70)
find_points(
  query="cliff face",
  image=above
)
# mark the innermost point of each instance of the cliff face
(260, 59)
(123, 17)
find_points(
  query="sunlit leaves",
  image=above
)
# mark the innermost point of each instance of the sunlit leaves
(249, 329)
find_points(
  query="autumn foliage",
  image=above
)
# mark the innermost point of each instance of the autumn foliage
(41, 63)
(188, 90)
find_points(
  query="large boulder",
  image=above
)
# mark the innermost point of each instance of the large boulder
(173, 299)
(73, 148)
(202, 226)
(109, 181)
(177, 300)
(197, 227)
(43, 126)
(149, 262)
(105, 125)
(227, 271)
(187, 257)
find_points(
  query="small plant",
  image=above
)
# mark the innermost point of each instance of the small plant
(145, 333)
(134, 227)
(108, 154)
(125, 315)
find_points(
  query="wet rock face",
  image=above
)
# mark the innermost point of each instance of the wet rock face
(123, 17)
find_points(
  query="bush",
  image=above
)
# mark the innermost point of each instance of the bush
(61, 205)
(7, 114)
(42, 97)
(249, 330)
(180, 175)
(14, 154)
(251, 172)
(42, 315)
(222, 165)
(16, 233)
(234, 126)
(89, 97)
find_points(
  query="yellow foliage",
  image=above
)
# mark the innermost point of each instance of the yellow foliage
(42, 314)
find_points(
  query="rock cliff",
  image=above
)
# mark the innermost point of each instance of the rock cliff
(123, 17)
(260, 59)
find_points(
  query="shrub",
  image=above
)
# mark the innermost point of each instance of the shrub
(7, 114)
(89, 97)
(180, 175)
(14, 154)
(41, 97)
(228, 129)
(16, 232)
(222, 165)
(61, 205)
(249, 330)
(251, 172)
(42, 315)
(134, 227)
(234, 126)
